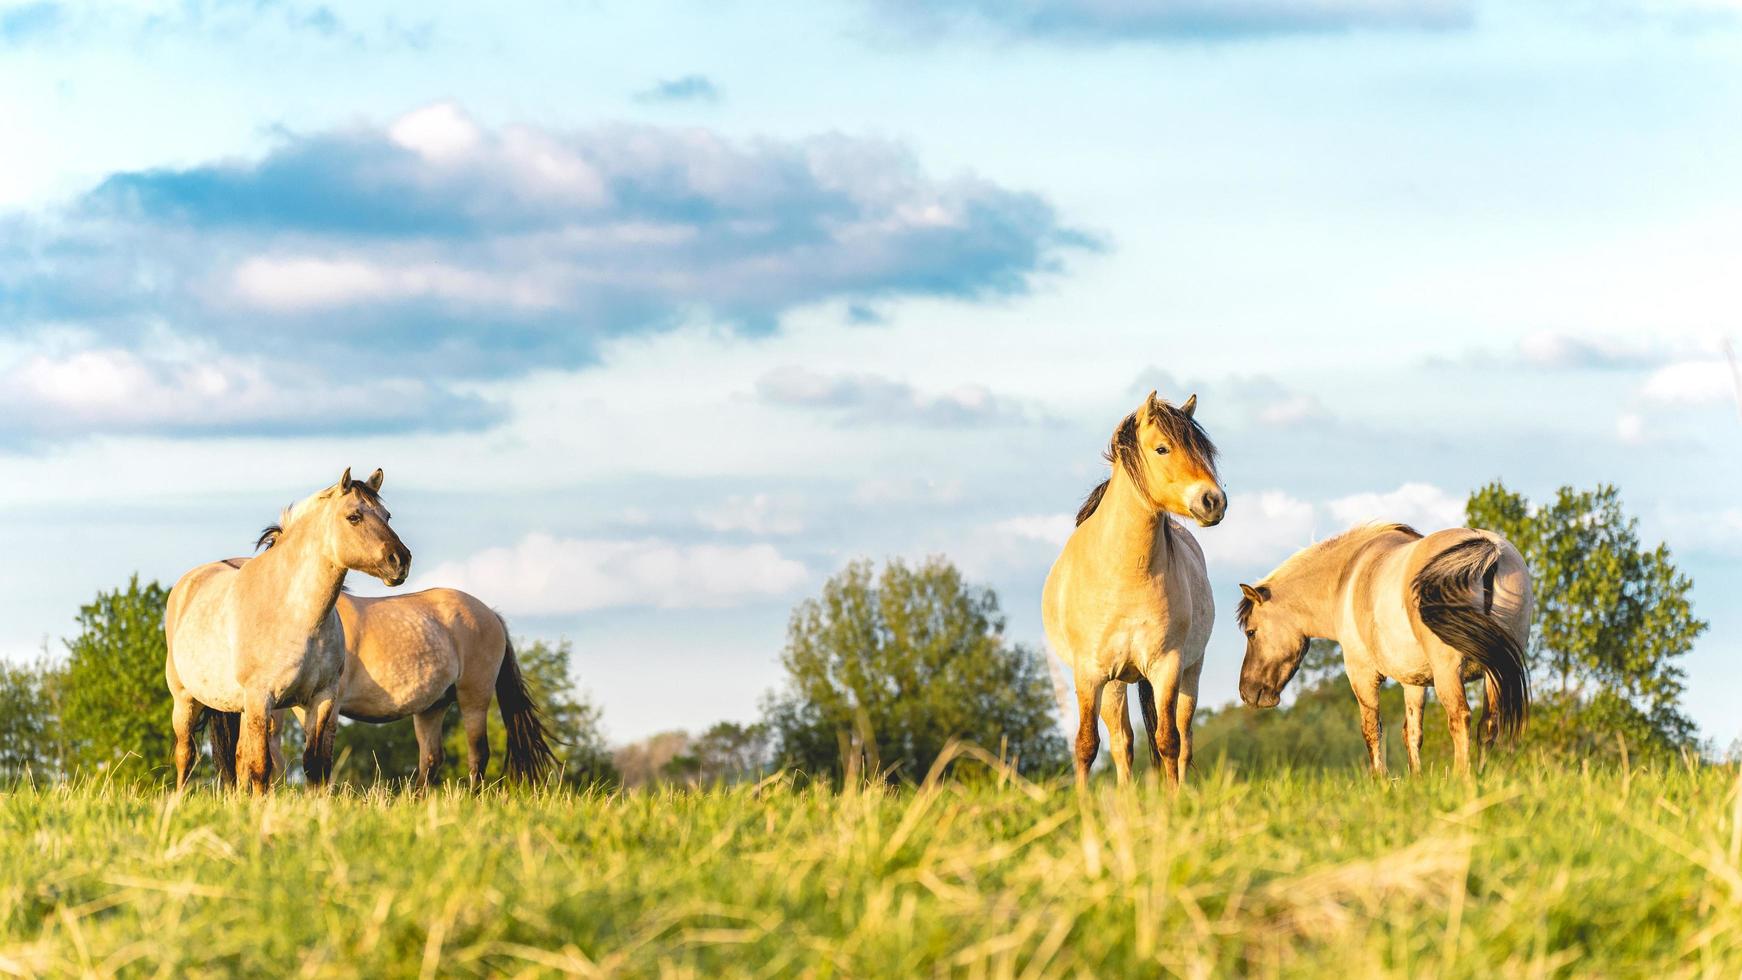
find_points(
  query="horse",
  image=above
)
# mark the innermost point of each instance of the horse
(250, 637)
(1128, 600)
(416, 654)
(1440, 609)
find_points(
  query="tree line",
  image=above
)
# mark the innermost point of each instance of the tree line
(887, 665)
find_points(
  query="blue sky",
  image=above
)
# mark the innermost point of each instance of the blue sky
(657, 313)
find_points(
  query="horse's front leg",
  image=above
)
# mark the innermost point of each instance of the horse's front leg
(1449, 688)
(320, 731)
(1184, 708)
(1117, 717)
(280, 721)
(253, 754)
(1165, 733)
(1088, 738)
(1366, 688)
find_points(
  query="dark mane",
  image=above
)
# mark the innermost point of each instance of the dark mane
(268, 537)
(1183, 435)
(1092, 501)
(270, 534)
(1243, 613)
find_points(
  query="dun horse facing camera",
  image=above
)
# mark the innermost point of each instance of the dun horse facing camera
(1440, 609)
(247, 638)
(1128, 601)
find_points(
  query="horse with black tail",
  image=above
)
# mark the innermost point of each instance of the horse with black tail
(1440, 609)
(416, 654)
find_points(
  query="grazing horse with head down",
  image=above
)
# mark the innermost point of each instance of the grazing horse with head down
(249, 638)
(1128, 601)
(1438, 610)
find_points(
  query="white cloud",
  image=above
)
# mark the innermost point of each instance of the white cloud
(1630, 429)
(870, 398)
(437, 132)
(907, 490)
(546, 575)
(755, 514)
(1426, 507)
(1292, 410)
(1053, 529)
(113, 390)
(301, 283)
(1690, 383)
(1261, 530)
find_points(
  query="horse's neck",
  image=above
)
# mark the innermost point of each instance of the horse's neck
(1133, 535)
(294, 581)
(1311, 584)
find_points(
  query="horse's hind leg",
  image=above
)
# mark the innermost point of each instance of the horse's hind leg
(320, 734)
(1117, 717)
(429, 744)
(1088, 739)
(226, 727)
(1449, 688)
(1488, 731)
(1146, 699)
(476, 719)
(1414, 701)
(185, 717)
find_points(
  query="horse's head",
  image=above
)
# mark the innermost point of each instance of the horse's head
(1173, 461)
(1275, 645)
(352, 523)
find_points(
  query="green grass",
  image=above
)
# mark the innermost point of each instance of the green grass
(1537, 870)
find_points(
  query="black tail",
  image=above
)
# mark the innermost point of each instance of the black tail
(1444, 592)
(529, 754)
(226, 730)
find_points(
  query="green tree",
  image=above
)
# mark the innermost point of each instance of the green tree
(389, 751)
(30, 730)
(888, 667)
(726, 753)
(114, 700)
(1613, 617)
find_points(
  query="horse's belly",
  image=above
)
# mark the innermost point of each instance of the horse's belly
(1394, 649)
(205, 664)
(384, 688)
(210, 677)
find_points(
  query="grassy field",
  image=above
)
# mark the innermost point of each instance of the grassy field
(1537, 871)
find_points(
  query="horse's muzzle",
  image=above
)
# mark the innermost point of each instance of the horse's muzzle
(1259, 698)
(1210, 507)
(397, 566)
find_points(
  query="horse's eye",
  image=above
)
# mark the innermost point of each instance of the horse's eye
(1251, 633)
(1161, 450)
(355, 518)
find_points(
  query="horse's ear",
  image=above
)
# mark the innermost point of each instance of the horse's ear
(1256, 593)
(1190, 406)
(1152, 405)
(375, 479)
(345, 480)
